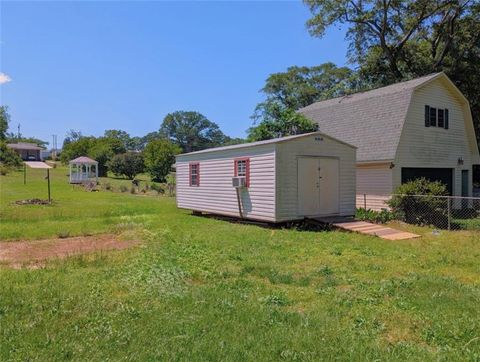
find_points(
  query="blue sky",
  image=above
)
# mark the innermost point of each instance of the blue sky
(93, 66)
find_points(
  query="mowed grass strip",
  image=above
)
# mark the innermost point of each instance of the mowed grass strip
(204, 289)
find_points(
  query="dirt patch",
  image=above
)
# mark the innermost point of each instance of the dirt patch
(34, 254)
(32, 202)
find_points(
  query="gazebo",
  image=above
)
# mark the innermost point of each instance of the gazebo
(83, 169)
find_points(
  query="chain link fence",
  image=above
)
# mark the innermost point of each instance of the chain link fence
(443, 212)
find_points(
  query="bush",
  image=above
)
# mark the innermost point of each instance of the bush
(378, 217)
(4, 170)
(128, 164)
(9, 157)
(426, 209)
(123, 188)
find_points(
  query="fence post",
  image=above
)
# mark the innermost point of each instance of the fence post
(449, 212)
(365, 201)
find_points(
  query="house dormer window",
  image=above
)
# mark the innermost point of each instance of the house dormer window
(436, 117)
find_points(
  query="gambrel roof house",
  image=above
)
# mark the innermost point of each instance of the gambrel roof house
(418, 128)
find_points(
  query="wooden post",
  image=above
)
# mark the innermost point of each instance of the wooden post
(24, 173)
(48, 181)
(239, 203)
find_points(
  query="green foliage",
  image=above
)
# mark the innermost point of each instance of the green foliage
(379, 217)
(159, 157)
(4, 121)
(8, 157)
(393, 41)
(426, 209)
(286, 92)
(280, 123)
(301, 86)
(127, 164)
(191, 131)
(101, 149)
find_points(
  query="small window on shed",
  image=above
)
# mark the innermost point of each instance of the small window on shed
(194, 174)
(433, 117)
(242, 168)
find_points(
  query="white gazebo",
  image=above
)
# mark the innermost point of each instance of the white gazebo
(83, 169)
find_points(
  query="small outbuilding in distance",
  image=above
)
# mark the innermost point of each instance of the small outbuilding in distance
(277, 180)
(83, 169)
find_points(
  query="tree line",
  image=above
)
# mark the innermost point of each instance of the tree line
(389, 41)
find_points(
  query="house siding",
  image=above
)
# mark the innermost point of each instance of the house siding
(286, 160)
(374, 186)
(216, 194)
(434, 147)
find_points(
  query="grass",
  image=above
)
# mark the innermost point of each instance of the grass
(204, 289)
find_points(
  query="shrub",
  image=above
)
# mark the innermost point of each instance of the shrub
(9, 157)
(4, 170)
(107, 186)
(128, 164)
(378, 217)
(425, 209)
(123, 188)
(133, 190)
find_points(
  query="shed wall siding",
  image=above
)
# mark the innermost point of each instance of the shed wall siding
(287, 154)
(434, 147)
(216, 194)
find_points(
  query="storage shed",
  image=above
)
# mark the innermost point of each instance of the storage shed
(277, 180)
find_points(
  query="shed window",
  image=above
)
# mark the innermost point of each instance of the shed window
(242, 168)
(194, 174)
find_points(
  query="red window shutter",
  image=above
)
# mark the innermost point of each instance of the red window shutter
(190, 174)
(247, 165)
(235, 168)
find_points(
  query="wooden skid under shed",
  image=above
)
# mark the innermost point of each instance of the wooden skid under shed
(364, 227)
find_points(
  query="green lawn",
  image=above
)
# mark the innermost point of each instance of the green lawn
(203, 289)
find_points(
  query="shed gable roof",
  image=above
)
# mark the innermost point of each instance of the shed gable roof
(372, 120)
(265, 142)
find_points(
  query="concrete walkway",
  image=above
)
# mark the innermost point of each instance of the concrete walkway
(364, 227)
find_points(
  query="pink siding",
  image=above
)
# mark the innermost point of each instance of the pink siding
(216, 194)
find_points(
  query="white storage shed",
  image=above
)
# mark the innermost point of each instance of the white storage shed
(282, 179)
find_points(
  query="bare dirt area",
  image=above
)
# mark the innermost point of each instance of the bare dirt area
(34, 254)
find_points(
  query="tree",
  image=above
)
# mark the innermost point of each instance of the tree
(286, 92)
(280, 123)
(101, 149)
(128, 164)
(159, 157)
(72, 136)
(122, 136)
(301, 86)
(4, 121)
(191, 131)
(393, 41)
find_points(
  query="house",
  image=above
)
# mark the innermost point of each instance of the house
(27, 151)
(276, 180)
(418, 128)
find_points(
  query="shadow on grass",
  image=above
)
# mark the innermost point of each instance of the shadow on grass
(298, 225)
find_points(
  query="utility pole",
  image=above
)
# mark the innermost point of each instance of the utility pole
(18, 131)
(54, 147)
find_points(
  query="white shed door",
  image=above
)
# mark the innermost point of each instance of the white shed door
(318, 180)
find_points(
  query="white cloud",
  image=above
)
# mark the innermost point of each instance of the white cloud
(4, 78)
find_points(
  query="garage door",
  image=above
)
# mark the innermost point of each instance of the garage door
(444, 175)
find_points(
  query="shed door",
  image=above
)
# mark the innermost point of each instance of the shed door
(318, 180)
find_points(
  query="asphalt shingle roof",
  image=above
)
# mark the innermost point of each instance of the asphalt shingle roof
(372, 121)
